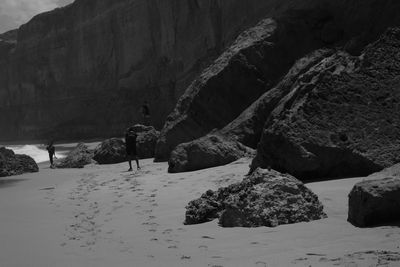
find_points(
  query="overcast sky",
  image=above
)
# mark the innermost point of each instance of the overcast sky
(13, 13)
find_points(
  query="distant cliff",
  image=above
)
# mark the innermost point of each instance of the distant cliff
(85, 69)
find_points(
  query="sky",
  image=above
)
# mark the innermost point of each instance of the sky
(14, 13)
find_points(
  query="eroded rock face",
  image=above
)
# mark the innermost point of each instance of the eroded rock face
(252, 65)
(110, 151)
(339, 118)
(206, 152)
(80, 156)
(374, 202)
(265, 198)
(14, 164)
(262, 55)
(146, 140)
(99, 60)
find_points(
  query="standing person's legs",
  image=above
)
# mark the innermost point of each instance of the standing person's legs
(51, 159)
(129, 157)
(137, 162)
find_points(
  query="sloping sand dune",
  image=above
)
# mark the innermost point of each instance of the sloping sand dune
(105, 216)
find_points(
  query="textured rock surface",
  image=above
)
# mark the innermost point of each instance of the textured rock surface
(261, 56)
(80, 156)
(13, 164)
(110, 151)
(99, 60)
(206, 152)
(374, 202)
(245, 130)
(340, 118)
(146, 140)
(265, 198)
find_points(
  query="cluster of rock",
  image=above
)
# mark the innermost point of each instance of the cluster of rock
(80, 156)
(330, 116)
(265, 198)
(13, 164)
(113, 150)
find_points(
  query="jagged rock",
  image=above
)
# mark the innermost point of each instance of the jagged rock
(245, 130)
(340, 118)
(100, 59)
(14, 164)
(80, 156)
(374, 202)
(206, 152)
(110, 151)
(249, 67)
(265, 198)
(146, 140)
(261, 56)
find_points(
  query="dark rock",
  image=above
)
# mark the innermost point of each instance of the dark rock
(255, 62)
(248, 126)
(265, 198)
(110, 151)
(339, 118)
(13, 164)
(230, 142)
(146, 140)
(206, 152)
(374, 202)
(80, 156)
(252, 65)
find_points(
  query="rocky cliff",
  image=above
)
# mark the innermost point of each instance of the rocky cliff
(85, 69)
(340, 118)
(217, 97)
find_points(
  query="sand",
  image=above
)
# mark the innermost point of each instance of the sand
(105, 216)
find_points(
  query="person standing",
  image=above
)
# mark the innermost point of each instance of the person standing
(52, 152)
(130, 142)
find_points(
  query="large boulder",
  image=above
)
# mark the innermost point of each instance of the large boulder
(340, 118)
(230, 143)
(374, 202)
(110, 151)
(80, 156)
(146, 140)
(265, 198)
(206, 152)
(252, 65)
(13, 164)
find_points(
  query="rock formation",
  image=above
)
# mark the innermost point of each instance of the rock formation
(262, 55)
(206, 152)
(110, 151)
(85, 69)
(374, 202)
(80, 156)
(244, 131)
(338, 118)
(13, 164)
(265, 198)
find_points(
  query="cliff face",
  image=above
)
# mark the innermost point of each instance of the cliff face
(214, 99)
(85, 69)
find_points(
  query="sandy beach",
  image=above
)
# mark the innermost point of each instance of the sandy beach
(104, 216)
